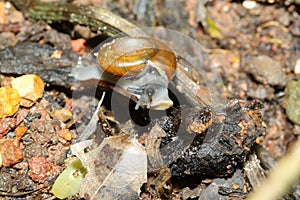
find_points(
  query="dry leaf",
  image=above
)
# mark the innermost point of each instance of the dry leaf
(92, 125)
(152, 144)
(116, 169)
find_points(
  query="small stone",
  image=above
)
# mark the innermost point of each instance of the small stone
(63, 114)
(284, 17)
(0, 160)
(20, 131)
(39, 169)
(16, 17)
(295, 28)
(235, 186)
(9, 101)
(11, 152)
(297, 67)
(84, 31)
(56, 54)
(261, 92)
(8, 123)
(7, 39)
(78, 45)
(296, 130)
(249, 4)
(3, 13)
(266, 70)
(30, 87)
(65, 134)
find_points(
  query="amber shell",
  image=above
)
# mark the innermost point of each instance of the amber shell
(127, 56)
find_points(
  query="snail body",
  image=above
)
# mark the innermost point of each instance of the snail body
(143, 66)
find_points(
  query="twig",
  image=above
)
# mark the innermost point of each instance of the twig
(94, 17)
(272, 23)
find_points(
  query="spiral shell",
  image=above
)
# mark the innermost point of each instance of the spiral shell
(128, 56)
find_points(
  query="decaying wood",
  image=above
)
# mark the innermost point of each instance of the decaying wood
(34, 58)
(220, 144)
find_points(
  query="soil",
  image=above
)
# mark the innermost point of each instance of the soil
(255, 49)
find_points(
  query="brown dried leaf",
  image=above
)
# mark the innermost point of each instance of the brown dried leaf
(152, 144)
(92, 125)
(116, 169)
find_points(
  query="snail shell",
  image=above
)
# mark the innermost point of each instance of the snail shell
(144, 65)
(128, 56)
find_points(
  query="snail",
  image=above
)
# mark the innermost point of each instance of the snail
(143, 66)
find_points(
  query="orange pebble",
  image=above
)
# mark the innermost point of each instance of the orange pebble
(9, 101)
(20, 131)
(65, 134)
(78, 46)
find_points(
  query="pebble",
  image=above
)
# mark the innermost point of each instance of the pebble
(249, 4)
(261, 92)
(30, 88)
(266, 70)
(297, 67)
(16, 17)
(9, 101)
(7, 39)
(10, 151)
(65, 134)
(63, 114)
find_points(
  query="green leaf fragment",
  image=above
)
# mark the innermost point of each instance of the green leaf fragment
(212, 29)
(68, 183)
